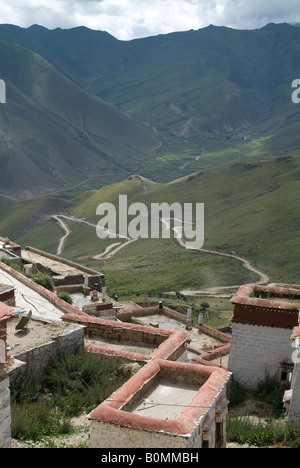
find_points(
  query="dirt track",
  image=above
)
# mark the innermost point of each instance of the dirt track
(115, 248)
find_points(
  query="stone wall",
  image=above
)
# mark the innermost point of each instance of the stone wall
(169, 344)
(104, 435)
(37, 359)
(217, 334)
(3, 338)
(256, 350)
(5, 418)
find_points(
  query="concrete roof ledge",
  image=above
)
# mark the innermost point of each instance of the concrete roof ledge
(173, 339)
(244, 296)
(111, 410)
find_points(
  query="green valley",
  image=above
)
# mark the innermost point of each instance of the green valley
(202, 116)
(86, 110)
(251, 211)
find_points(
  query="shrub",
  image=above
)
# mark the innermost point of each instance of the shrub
(25, 389)
(45, 280)
(65, 296)
(271, 391)
(12, 265)
(81, 381)
(73, 385)
(34, 421)
(244, 431)
(236, 394)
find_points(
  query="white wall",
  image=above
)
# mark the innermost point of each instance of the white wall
(5, 419)
(257, 349)
(294, 411)
(107, 435)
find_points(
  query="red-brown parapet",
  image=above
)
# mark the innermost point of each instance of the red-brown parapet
(267, 306)
(6, 312)
(111, 411)
(172, 346)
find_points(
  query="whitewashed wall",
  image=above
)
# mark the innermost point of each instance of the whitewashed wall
(5, 418)
(256, 350)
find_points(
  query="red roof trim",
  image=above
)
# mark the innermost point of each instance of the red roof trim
(6, 312)
(110, 412)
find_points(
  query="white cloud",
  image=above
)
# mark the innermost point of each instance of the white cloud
(127, 19)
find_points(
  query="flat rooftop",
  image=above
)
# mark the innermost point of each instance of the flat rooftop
(168, 319)
(59, 268)
(29, 299)
(37, 333)
(165, 400)
(271, 305)
(164, 396)
(122, 345)
(129, 340)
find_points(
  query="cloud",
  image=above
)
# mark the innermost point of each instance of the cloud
(128, 19)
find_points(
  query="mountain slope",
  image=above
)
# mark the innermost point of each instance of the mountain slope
(54, 135)
(211, 96)
(196, 85)
(251, 210)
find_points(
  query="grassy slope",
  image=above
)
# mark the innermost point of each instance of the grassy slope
(212, 84)
(204, 91)
(238, 78)
(251, 209)
(19, 217)
(58, 134)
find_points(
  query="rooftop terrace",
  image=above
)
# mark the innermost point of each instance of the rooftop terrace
(166, 397)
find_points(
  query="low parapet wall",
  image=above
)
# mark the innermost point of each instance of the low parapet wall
(38, 358)
(207, 358)
(94, 276)
(148, 311)
(267, 306)
(217, 334)
(89, 271)
(169, 344)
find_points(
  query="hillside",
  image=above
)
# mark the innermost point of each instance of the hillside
(251, 211)
(55, 136)
(206, 97)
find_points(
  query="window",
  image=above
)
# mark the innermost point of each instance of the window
(219, 435)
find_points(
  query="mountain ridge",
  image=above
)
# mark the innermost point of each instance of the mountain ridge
(170, 104)
(56, 132)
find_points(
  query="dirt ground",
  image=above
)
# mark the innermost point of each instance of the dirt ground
(36, 333)
(78, 440)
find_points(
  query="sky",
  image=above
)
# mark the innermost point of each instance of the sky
(131, 19)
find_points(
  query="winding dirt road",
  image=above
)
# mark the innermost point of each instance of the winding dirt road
(116, 247)
(67, 231)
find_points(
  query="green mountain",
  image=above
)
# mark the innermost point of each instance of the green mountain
(206, 93)
(251, 211)
(54, 135)
(204, 116)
